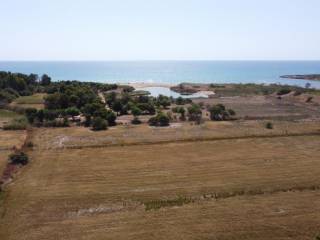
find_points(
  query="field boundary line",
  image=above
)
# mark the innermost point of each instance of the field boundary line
(189, 140)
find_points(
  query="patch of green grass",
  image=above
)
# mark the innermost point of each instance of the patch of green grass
(20, 123)
(33, 99)
(157, 204)
(8, 114)
(260, 89)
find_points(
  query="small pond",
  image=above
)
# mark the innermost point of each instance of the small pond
(156, 91)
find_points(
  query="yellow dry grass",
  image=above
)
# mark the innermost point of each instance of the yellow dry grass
(9, 139)
(98, 193)
(124, 135)
(3, 160)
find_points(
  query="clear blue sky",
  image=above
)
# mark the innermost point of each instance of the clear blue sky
(159, 29)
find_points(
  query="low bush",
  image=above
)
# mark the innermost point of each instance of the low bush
(284, 91)
(99, 124)
(269, 125)
(157, 204)
(56, 123)
(136, 121)
(16, 124)
(161, 120)
(220, 113)
(19, 158)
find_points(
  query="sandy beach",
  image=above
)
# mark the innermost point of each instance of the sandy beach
(145, 85)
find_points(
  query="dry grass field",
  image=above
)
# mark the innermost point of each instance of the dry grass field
(270, 107)
(254, 188)
(9, 139)
(3, 159)
(142, 134)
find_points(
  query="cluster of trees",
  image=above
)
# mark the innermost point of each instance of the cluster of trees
(13, 85)
(220, 113)
(160, 120)
(180, 110)
(194, 112)
(126, 103)
(71, 96)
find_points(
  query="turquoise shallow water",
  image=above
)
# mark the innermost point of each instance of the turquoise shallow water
(172, 72)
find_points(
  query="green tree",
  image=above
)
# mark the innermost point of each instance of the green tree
(45, 80)
(136, 111)
(195, 113)
(31, 114)
(72, 111)
(160, 120)
(117, 106)
(99, 124)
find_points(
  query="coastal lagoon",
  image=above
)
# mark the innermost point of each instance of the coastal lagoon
(171, 72)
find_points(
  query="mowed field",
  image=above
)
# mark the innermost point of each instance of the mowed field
(249, 188)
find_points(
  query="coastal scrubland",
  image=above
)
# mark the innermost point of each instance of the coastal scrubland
(106, 162)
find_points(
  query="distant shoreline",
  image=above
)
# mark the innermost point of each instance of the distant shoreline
(311, 77)
(146, 84)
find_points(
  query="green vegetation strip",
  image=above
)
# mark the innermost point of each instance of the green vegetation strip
(157, 204)
(180, 201)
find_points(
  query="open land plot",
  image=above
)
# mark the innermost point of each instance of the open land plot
(6, 116)
(268, 107)
(100, 193)
(33, 101)
(3, 160)
(10, 139)
(76, 137)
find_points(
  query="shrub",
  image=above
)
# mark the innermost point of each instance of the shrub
(157, 204)
(309, 99)
(29, 144)
(16, 124)
(195, 113)
(88, 120)
(19, 158)
(136, 121)
(153, 121)
(231, 112)
(219, 113)
(136, 111)
(99, 124)
(182, 101)
(31, 114)
(283, 91)
(147, 108)
(56, 123)
(269, 125)
(161, 120)
(72, 111)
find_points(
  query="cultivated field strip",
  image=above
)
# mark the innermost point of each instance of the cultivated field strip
(77, 138)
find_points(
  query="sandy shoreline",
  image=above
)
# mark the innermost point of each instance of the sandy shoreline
(144, 85)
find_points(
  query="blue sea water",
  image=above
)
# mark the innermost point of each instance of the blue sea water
(171, 72)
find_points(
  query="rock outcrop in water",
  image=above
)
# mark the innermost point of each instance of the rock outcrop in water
(313, 77)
